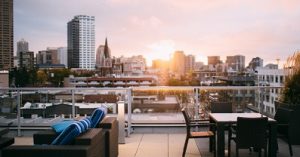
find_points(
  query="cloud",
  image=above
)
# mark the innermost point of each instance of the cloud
(151, 21)
(200, 27)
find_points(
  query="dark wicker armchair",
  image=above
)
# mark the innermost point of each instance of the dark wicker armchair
(250, 132)
(195, 134)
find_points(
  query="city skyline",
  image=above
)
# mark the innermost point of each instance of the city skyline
(266, 29)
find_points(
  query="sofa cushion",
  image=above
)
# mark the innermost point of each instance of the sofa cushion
(97, 115)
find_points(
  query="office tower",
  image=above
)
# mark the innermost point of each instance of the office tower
(256, 62)
(6, 35)
(81, 42)
(189, 63)
(178, 63)
(22, 46)
(213, 60)
(236, 63)
(26, 59)
(62, 54)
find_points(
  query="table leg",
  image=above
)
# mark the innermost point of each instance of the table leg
(220, 140)
(272, 150)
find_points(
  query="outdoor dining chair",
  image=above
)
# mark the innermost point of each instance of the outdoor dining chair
(196, 134)
(250, 132)
(282, 116)
(221, 107)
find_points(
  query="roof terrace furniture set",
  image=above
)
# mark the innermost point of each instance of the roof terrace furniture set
(101, 141)
(244, 125)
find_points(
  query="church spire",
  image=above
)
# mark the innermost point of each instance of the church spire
(106, 50)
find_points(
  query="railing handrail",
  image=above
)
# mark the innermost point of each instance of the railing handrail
(148, 88)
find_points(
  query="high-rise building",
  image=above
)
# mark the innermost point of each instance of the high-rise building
(256, 62)
(26, 59)
(22, 46)
(81, 42)
(213, 60)
(178, 63)
(6, 35)
(189, 63)
(236, 63)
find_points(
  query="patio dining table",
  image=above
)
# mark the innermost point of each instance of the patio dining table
(223, 119)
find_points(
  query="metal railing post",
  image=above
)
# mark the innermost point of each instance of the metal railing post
(196, 96)
(129, 92)
(73, 104)
(19, 112)
(121, 119)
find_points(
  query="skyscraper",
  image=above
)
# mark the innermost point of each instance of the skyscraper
(26, 59)
(6, 35)
(81, 42)
(178, 63)
(22, 46)
(236, 63)
(189, 63)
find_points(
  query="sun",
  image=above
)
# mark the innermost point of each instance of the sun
(160, 50)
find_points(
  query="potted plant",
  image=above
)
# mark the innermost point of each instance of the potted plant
(290, 96)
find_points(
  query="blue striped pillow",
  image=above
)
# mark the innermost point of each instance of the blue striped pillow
(62, 125)
(97, 116)
(72, 131)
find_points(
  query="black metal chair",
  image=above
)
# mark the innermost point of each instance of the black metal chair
(196, 134)
(283, 116)
(250, 132)
(221, 107)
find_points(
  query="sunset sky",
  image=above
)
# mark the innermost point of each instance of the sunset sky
(269, 29)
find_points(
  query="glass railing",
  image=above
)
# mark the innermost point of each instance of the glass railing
(38, 108)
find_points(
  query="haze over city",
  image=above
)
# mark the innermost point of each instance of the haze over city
(155, 29)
